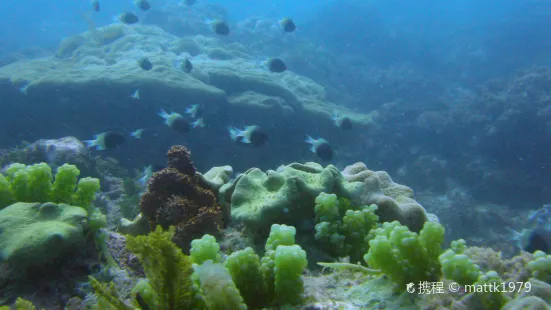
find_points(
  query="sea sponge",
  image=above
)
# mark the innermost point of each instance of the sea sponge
(177, 198)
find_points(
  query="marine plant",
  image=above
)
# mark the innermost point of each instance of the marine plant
(169, 283)
(405, 256)
(341, 227)
(204, 281)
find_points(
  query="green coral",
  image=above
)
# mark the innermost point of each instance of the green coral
(341, 228)
(405, 256)
(490, 299)
(33, 183)
(244, 268)
(457, 266)
(205, 249)
(540, 266)
(284, 196)
(218, 287)
(34, 233)
(276, 280)
(290, 262)
(20, 304)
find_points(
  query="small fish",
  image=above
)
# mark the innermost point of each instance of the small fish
(276, 65)
(105, 141)
(541, 215)
(128, 18)
(193, 111)
(186, 66)
(287, 25)
(146, 175)
(145, 63)
(24, 89)
(219, 26)
(95, 5)
(253, 135)
(137, 133)
(343, 122)
(320, 147)
(175, 121)
(198, 123)
(143, 5)
(135, 94)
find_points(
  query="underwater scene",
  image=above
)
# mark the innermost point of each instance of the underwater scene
(291, 154)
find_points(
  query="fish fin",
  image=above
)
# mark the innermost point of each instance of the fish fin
(245, 139)
(90, 143)
(313, 149)
(310, 140)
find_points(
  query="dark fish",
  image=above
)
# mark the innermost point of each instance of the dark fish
(539, 240)
(253, 135)
(276, 65)
(186, 66)
(220, 27)
(95, 5)
(343, 122)
(175, 121)
(145, 64)
(287, 25)
(143, 5)
(321, 148)
(189, 2)
(128, 18)
(105, 141)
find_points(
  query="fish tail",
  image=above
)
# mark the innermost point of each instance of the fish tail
(91, 143)
(163, 114)
(233, 132)
(309, 140)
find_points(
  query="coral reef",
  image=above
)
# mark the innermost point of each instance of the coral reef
(394, 201)
(88, 69)
(176, 197)
(283, 196)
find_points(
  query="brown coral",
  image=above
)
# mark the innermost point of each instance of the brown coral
(175, 197)
(179, 158)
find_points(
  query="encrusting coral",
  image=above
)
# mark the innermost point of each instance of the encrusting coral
(176, 196)
(40, 217)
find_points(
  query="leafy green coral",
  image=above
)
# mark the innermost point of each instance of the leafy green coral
(273, 281)
(540, 266)
(457, 266)
(342, 228)
(405, 256)
(35, 183)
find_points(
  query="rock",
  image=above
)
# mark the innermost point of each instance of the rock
(57, 152)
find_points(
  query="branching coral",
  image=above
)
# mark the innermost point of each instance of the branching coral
(176, 197)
